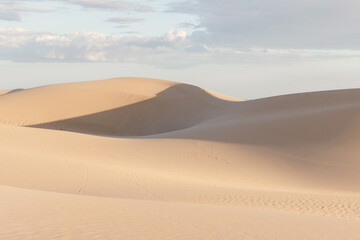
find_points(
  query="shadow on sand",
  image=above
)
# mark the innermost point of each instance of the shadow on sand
(178, 107)
(284, 121)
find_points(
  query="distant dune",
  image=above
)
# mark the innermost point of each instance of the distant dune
(137, 158)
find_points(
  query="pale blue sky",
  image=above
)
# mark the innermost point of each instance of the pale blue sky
(244, 48)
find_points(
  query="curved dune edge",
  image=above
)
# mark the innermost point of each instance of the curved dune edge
(223, 97)
(4, 91)
(195, 167)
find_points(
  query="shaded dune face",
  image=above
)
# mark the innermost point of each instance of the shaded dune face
(287, 121)
(177, 107)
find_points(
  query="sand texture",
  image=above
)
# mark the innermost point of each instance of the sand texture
(137, 158)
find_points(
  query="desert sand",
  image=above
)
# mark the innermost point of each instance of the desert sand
(137, 158)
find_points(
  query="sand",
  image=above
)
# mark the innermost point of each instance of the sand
(136, 158)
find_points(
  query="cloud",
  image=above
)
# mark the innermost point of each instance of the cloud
(124, 21)
(9, 15)
(227, 32)
(12, 11)
(102, 4)
(17, 44)
(111, 5)
(275, 23)
(187, 25)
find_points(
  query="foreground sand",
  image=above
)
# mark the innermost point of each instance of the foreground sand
(139, 158)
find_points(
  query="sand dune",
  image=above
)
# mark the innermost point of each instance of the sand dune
(126, 107)
(136, 158)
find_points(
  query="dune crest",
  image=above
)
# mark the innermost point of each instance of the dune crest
(136, 158)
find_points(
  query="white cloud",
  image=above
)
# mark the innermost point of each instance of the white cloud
(21, 45)
(174, 35)
(14, 37)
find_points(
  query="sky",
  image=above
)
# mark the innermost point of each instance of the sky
(244, 48)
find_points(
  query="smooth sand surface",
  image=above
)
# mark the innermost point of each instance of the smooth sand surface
(136, 158)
